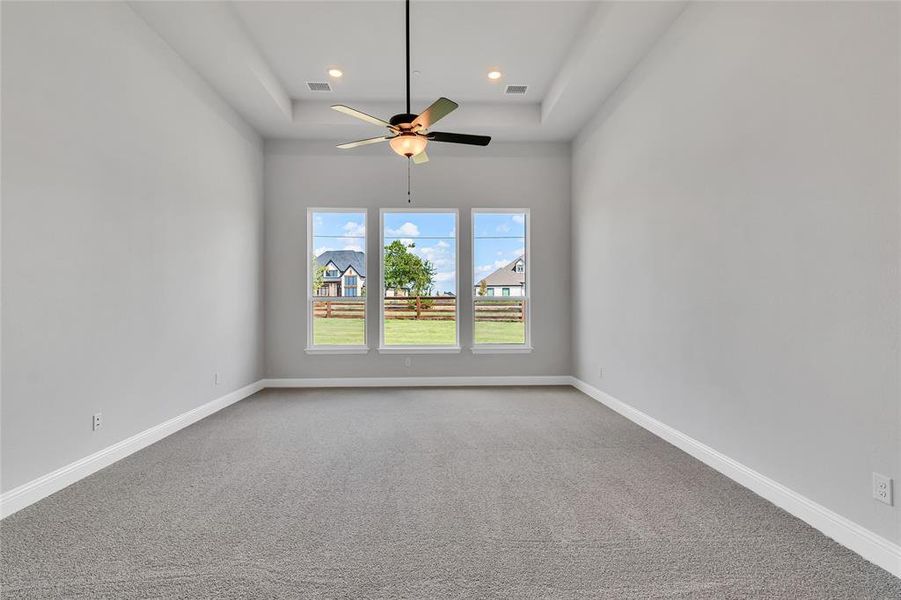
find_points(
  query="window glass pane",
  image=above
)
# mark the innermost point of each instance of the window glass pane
(338, 271)
(499, 322)
(499, 271)
(337, 323)
(420, 287)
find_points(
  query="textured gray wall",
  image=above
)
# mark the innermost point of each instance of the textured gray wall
(300, 175)
(131, 238)
(736, 235)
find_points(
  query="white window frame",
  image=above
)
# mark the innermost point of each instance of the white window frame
(423, 349)
(308, 283)
(526, 297)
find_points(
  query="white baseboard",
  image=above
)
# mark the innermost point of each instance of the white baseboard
(864, 542)
(327, 382)
(18, 498)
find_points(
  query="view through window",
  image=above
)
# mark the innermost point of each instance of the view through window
(419, 266)
(337, 286)
(500, 289)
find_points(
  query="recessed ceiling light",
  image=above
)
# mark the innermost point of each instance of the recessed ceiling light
(335, 72)
(494, 74)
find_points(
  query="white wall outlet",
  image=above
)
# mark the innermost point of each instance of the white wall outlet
(216, 378)
(97, 422)
(882, 488)
(408, 362)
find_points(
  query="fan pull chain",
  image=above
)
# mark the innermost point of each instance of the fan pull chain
(409, 162)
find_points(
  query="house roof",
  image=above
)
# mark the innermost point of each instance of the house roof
(506, 275)
(344, 259)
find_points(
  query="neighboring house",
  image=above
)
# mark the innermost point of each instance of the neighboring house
(509, 280)
(345, 273)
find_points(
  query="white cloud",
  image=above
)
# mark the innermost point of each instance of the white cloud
(319, 251)
(406, 242)
(519, 219)
(503, 228)
(352, 245)
(518, 252)
(488, 269)
(407, 229)
(445, 276)
(442, 244)
(354, 229)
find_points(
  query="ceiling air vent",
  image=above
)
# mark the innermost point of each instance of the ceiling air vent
(516, 90)
(319, 86)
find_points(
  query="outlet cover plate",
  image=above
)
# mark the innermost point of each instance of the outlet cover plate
(882, 488)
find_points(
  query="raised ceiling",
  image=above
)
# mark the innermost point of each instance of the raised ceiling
(259, 55)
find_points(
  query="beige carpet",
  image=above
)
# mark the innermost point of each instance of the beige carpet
(419, 493)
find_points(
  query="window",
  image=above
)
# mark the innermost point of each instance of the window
(419, 281)
(336, 306)
(500, 263)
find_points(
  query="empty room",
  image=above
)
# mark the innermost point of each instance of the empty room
(443, 299)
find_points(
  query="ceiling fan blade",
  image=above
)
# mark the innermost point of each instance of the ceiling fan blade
(360, 115)
(459, 138)
(439, 109)
(420, 158)
(374, 140)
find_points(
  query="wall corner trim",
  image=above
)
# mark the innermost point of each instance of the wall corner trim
(871, 546)
(28, 493)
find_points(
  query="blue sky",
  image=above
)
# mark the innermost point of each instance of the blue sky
(499, 238)
(338, 231)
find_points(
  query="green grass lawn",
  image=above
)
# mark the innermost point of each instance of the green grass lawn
(495, 332)
(336, 332)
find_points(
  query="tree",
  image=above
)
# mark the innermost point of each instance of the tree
(318, 274)
(406, 271)
(483, 288)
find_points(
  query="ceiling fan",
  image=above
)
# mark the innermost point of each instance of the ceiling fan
(409, 133)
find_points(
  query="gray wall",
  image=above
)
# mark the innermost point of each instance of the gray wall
(299, 175)
(736, 235)
(131, 235)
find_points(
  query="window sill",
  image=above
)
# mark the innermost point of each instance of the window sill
(419, 350)
(338, 350)
(501, 349)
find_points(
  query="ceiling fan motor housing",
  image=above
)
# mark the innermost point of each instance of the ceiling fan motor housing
(401, 119)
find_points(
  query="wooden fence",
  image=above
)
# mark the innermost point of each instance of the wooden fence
(424, 308)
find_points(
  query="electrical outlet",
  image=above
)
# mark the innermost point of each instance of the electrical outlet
(408, 362)
(98, 421)
(882, 488)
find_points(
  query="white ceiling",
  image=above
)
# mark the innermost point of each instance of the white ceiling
(259, 55)
(453, 45)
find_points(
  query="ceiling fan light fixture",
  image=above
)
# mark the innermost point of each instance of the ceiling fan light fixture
(408, 144)
(336, 73)
(494, 75)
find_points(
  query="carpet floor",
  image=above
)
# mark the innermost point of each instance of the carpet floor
(420, 494)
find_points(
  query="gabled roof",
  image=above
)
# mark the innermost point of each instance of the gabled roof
(344, 259)
(506, 275)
